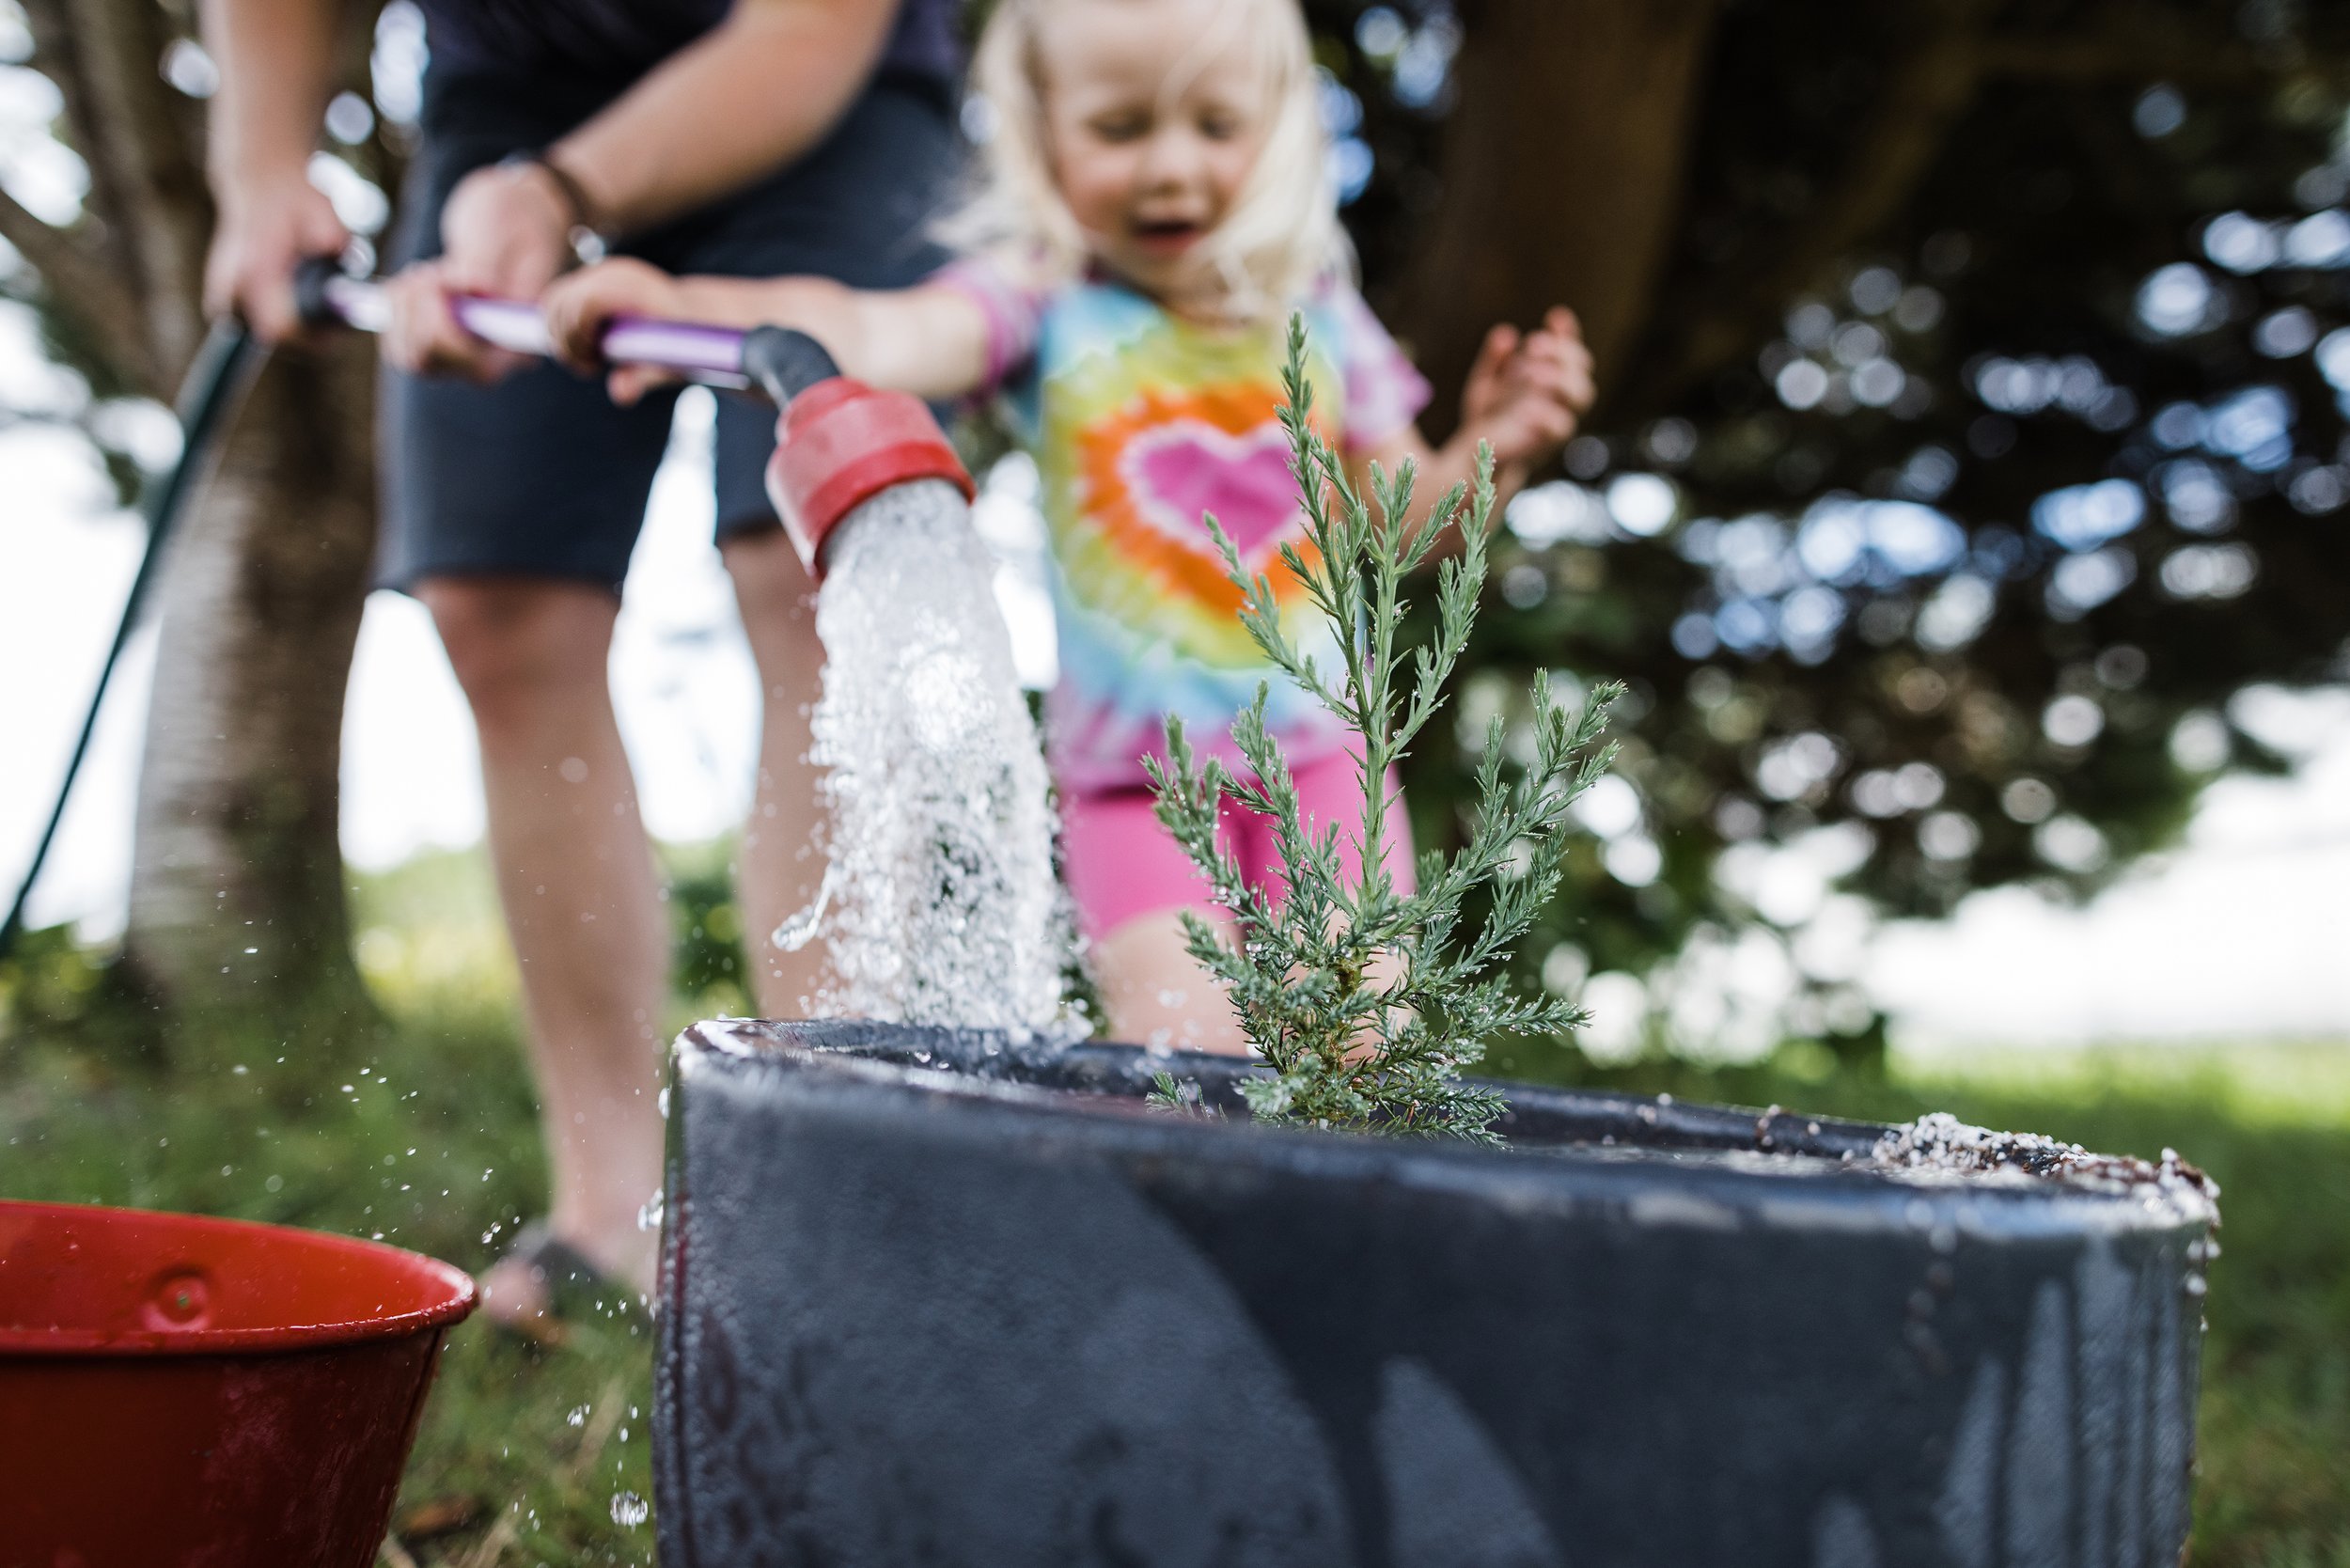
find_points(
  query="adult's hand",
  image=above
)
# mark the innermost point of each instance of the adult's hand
(506, 230)
(267, 228)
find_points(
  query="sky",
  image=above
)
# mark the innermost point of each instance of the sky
(2236, 933)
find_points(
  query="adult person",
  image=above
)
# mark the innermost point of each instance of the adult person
(773, 136)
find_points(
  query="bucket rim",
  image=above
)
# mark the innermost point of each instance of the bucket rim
(460, 1297)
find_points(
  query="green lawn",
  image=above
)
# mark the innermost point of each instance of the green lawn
(532, 1456)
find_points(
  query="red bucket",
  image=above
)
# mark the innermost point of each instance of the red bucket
(182, 1392)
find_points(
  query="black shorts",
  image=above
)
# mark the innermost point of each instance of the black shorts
(541, 474)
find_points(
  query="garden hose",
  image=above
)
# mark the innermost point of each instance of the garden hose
(208, 394)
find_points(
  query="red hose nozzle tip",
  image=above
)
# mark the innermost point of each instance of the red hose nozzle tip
(841, 443)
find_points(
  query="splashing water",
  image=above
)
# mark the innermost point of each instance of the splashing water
(939, 905)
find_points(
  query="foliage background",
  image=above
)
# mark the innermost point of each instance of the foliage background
(1980, 440)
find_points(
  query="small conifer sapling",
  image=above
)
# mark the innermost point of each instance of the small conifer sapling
(1366, 1002)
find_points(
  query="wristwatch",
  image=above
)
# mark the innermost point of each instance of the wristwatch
(586, 236)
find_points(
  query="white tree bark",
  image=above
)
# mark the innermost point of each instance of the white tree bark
(236, 891)
(237, 882)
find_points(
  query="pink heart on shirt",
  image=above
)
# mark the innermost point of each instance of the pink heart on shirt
(1186, 467)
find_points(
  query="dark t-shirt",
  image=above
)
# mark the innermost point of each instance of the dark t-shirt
(617, 40)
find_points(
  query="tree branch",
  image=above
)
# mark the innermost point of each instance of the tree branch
(1922, 103)
(146, 180)
(83, 285)
(151, 170)
(57, 55)
(2128, 49)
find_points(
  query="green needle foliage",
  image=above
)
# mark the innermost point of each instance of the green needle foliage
(1367, 1003)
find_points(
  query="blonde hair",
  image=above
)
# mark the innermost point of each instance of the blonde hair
(1281, 236)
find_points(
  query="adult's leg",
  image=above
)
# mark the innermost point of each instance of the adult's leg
(581, 894)
(511, 510)
(781, 864)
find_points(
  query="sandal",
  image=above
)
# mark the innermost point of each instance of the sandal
(568, 1279)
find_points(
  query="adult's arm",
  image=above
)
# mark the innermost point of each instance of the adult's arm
(276, 69)
(751, 95)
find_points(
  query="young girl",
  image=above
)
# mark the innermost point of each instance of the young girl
(1154, 206)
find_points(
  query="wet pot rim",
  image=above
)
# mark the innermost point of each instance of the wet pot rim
(1724, 1187)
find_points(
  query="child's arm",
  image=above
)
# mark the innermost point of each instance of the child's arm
(1525, 396)
(929, 340)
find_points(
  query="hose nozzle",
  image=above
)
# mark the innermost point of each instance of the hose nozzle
(838, 443)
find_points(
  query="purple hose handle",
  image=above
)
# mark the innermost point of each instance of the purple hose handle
(711, 354)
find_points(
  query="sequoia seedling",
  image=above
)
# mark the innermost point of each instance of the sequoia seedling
(1365, 1002)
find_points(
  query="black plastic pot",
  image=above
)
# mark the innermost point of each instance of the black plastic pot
(932, 1298)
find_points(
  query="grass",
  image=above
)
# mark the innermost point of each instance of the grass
(426, 1135)
(433, 1147)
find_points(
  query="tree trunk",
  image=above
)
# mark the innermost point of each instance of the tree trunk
(237, 887)
(1562, 168)
(237, 882)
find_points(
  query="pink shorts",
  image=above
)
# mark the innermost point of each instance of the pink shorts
(1123, 863)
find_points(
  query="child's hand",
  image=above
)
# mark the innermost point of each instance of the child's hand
(1526, 393)
(579, 305)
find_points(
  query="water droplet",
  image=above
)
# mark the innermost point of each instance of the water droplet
(630, 1510)
(577, 1415)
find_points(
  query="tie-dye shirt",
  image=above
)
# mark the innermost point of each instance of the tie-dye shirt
(1140, 421)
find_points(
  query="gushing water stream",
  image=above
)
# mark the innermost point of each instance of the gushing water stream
(939, 905)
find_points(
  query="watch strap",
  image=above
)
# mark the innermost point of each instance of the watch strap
(588, 238)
